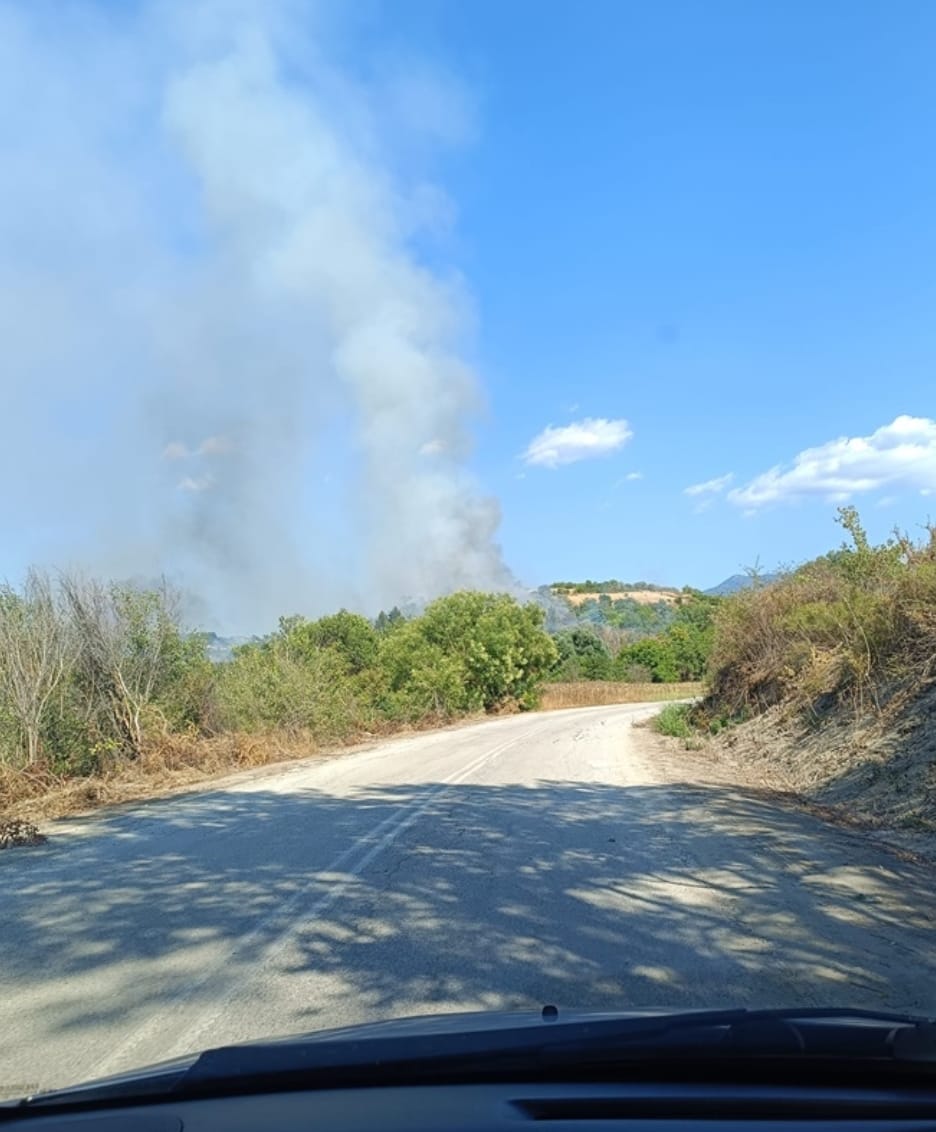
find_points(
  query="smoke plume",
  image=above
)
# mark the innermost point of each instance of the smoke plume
(225, 354)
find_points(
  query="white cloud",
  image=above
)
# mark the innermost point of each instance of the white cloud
(710, 487)
(215, 446)
(899, 455)
(195, 483)
(631, 477)
(175, 450)
(581, 440)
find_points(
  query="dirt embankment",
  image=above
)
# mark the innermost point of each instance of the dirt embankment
(876, 771)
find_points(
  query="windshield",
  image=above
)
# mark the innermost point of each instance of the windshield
(467, 483)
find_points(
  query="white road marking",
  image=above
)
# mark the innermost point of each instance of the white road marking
(386, 833)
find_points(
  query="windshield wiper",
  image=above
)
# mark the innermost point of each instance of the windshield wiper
(533, 1049)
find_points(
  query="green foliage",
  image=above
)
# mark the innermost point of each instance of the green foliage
(640, 619)
(271, 686)
(90, 670)
(417, 678)
(674, 720)
(655, 654)
(504, 651)
(612, 585)
(351, 636)
(387, 622)
(129, 675)
(583, 655)
(680, 653)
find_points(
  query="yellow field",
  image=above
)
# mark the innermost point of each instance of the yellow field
(642, 597)
(592, 693)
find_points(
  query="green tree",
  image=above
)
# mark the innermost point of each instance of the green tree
(655, 654)
(387, 622)
(417, 678)
(502, 646)
(350, 635)
(582, 655)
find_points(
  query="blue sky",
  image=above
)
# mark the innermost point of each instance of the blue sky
(717, 222)
(699, 236)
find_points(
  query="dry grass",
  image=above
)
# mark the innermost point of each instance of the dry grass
(171, 763)
(168, 764)
(642, 597)
(178, 762)
(593, 693)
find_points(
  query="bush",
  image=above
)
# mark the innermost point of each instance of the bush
(582, 655)
(351, 636)
(674, 720)
(267, 686)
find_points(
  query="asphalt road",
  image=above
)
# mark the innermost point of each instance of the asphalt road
(514, 862)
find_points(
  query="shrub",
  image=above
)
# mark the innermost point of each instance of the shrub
(582, 655)
(680, 653)
(266, 686)
(350, 635)
(674, 720)
(656, 654)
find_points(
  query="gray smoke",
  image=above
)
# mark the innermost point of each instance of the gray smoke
(224, 358)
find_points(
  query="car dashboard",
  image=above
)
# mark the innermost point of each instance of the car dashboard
(508, 1106)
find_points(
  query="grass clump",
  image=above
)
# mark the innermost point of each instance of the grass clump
(675, 720)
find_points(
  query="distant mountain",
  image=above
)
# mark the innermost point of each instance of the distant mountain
(739, 582)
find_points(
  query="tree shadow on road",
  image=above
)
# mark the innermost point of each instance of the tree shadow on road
(420, 898)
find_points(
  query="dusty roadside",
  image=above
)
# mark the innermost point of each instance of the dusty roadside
(875, 772)
(178, 767)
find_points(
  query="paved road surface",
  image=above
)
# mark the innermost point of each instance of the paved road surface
(531, 859)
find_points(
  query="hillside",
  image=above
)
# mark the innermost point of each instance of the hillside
(833, 672)
(642, 597)
(876, 769)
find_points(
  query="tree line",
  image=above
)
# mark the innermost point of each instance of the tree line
(680, 651)
(91, 672)
(610, 585)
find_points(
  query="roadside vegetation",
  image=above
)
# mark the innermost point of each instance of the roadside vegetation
(102, 691)
(853, 628)
(823, 683)
(675, 720)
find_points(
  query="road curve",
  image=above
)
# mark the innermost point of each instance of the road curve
(530, 859)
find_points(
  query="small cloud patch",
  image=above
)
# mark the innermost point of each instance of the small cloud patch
(581, 440)
(710, 487)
